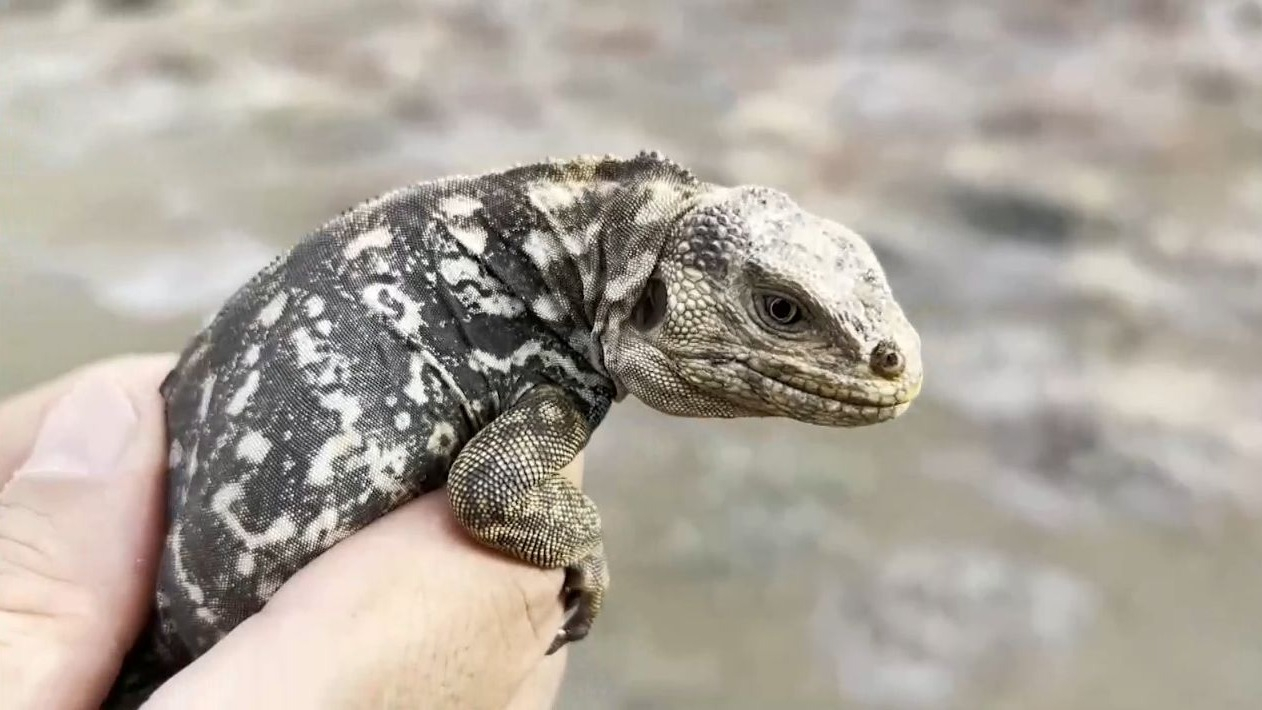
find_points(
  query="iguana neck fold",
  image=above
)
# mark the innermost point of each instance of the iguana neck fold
(607, 221)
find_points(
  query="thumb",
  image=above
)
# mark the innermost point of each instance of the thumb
(79, 537)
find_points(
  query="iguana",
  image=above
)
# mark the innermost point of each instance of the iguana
(471, 332)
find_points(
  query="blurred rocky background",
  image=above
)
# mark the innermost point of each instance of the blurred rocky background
(1068, 198)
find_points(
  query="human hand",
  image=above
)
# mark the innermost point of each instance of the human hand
(409, 612)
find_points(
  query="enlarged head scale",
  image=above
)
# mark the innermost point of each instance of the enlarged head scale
(759, 308)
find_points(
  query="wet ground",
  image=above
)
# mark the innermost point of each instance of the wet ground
(1067, 196)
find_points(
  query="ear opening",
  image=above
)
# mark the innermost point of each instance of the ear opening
(650, 310)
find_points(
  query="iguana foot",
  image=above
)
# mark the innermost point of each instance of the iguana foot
(584, 591)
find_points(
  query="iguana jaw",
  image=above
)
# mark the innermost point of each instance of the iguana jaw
(755, 386)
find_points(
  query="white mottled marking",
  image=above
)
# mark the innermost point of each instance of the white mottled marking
(241, 398)
(471, 238)
(280, 530)
(482, 361)
(550, 195)
(620, 289)
(191, 473)
(500, 304)
(325, 522)
(252, 355)
(314, 306)
(203, 405)
(253, 447)
(329, 375)
(409, 321)
(440, 438)
(547, 307)
(402, 420)
(576, 241)
(415, 389)
(386, 468)
(324, 327)
(324, 463)
(273, 310)
(460, 206)
(539, 247)
(660, 194)
(305, 348)
(457, 269)
(175, 545)
(460, 270)
(381, 266)
(456, 208)
(378, 238)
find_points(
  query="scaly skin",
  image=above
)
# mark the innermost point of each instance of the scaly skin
(472, 332)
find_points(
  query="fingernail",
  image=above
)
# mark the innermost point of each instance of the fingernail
(84, 433)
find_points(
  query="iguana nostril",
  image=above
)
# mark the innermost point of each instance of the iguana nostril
(887, 360)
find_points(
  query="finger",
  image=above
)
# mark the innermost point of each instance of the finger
(409, 612)
(79, 524)
(21, 414)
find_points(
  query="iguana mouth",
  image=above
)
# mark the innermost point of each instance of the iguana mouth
(834, 402)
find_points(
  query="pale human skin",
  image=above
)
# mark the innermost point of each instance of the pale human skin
(408, 612)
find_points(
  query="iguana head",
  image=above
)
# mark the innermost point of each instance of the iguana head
(758, 308)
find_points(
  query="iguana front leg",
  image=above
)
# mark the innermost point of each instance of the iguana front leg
(505, 490)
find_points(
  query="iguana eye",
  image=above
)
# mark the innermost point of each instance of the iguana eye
(780, 312)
